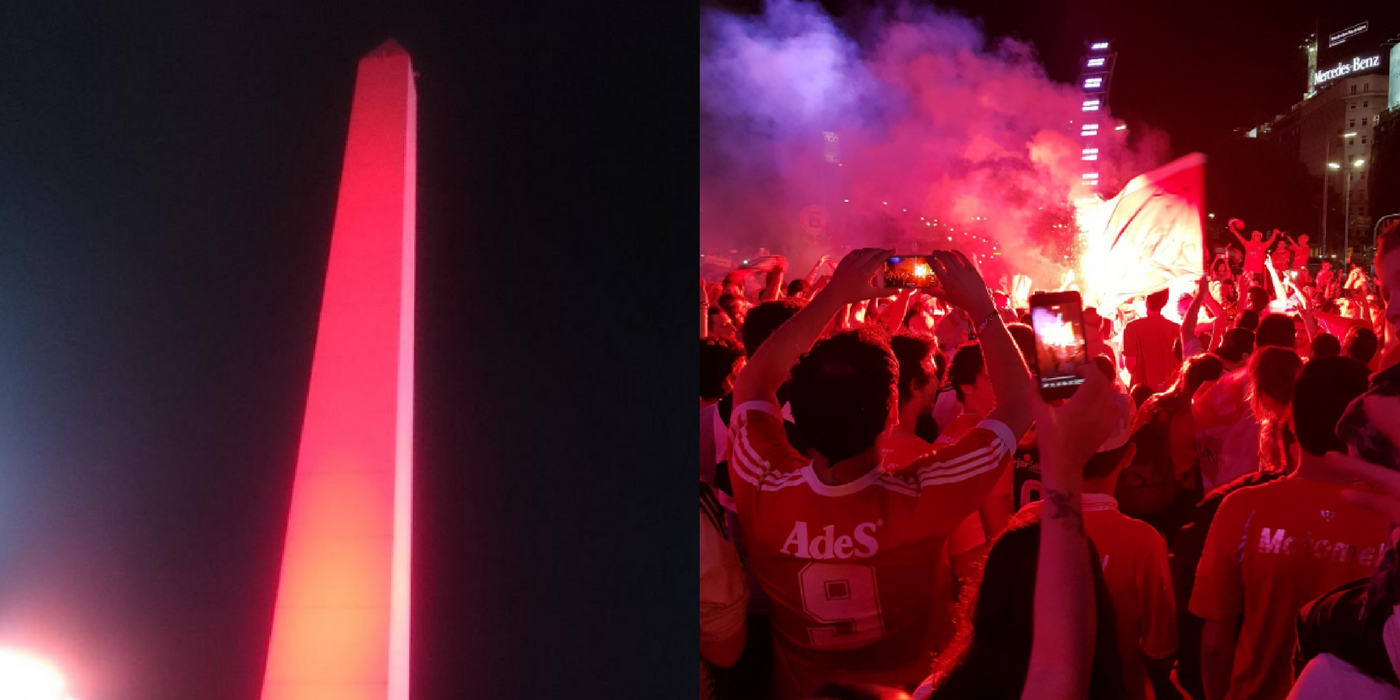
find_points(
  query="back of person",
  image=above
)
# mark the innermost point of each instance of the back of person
(1149, 341)
(849, 569)
(1270, 550)
(1217, 414)
(1133, 556)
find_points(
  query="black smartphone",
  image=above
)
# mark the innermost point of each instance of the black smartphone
(909, 272)
(1060, 350)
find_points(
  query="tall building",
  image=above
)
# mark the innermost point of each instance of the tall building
(1095, 78)
(340, 625)
(1332, 128)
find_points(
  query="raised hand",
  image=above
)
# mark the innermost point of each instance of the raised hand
(960, 284)
(1070, 434)
(857, 277)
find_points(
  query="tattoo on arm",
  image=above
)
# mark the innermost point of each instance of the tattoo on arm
(1062, 506)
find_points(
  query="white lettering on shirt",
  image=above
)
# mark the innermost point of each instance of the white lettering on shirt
(828, 545)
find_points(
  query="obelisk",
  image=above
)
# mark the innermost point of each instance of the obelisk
(340, 625)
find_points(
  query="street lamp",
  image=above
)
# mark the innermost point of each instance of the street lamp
(1327, 158)
(1346, 219)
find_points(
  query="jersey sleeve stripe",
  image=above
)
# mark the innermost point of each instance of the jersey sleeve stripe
(955, 463)
(764, 406)
(1000, 429)
(967, 471)
(748, 464)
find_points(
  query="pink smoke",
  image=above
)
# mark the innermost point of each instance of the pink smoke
(943, 133)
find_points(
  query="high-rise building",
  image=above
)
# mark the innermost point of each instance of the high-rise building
(1095, 78)
(1332, 128)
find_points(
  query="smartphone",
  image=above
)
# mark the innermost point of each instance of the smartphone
(1058, 321)
(909, 272)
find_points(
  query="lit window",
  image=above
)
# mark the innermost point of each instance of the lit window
(1099, 46)
(1093, 82)
(1095, 62)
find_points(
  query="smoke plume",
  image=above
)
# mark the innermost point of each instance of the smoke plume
(908, 125)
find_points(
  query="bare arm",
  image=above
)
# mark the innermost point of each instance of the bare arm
(1193, 310)
(1272, 237)
(704, 312)
(964, 288)
(1217, 657)
(769, 367)
(894, 313)
(1273, 278)
(1064, 619)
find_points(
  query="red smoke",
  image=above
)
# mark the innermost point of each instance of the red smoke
(934, 120)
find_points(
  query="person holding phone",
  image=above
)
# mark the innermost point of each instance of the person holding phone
(844, 551)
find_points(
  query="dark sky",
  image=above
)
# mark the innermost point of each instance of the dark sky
(1196, 69)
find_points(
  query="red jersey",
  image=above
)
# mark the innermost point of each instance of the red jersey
(1270, 550)
(847, 569)
(1148, 340)
(1134, 560)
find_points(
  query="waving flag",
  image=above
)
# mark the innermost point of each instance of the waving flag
(1149, 236)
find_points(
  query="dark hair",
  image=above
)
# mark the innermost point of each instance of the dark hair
(1024, 337)
(1157, 300)
(912, 351)
(1241, 339)
(1197, 370)
(990, 655)
(1258, 299)
(1103, 365)
(765, 318)
(796, 287)
(1325, 345)
(1361, 344)
(1277, 330)
(1103, 463)
(1273, 371)
(728, 302)
(1140, 394)
(1249, 319)
(717, 358)
(1323, 390)
(842, 391)
(967, 363)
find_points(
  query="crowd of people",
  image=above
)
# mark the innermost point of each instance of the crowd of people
(889, 509)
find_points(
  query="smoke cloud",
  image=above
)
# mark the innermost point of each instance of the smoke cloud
(909, 126)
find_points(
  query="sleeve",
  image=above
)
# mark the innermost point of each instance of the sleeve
(759, 451)
(724, 590)
(953, 481)
(1158, 603)
(1219, 591)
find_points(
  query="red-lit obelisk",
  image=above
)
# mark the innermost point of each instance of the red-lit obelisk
(340, 627)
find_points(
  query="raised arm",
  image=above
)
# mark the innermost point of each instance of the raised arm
(769, 367)
(1279, 292)
(817, 270)
(1193, 310)
(1235, 227)
(1304, 310)
(1270, 242)
(704, 311)
(1065, 619)
(894, 312)
(963, 287)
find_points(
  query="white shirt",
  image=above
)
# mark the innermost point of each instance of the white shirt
(1327, 677)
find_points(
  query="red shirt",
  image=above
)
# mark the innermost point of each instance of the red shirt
(847, 569)
(1134, 559)
(1149, 341)
(1271, 549)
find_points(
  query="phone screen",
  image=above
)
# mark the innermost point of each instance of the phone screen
(909, 272)
(1060, 350)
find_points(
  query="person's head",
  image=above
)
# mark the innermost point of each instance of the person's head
(967, 372)
(1258, 300)
(736, 306)
(1195, 372)
(1361, 344)
(1326, 265)
(1273, 371)
(919, 374)
(1024, 337)
(1093, 322)
(951, 332)
(721, 326)
(1140, 393)
(720, 360)
(764, 319)
(1276, 330)
(843, 392)
(919, 320)
(1325, 345)
(797, 287)
(1156, 301)
(990, 654)
(1256, 236)
(1303, 240)
(1323, 390)
(1249, 319)
(1242, 340)
(1388, 266)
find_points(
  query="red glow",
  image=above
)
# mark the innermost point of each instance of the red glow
(340, 628)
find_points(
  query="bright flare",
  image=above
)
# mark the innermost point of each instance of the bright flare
(25, 677)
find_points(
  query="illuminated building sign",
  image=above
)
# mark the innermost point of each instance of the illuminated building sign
(1095, 62)
(1349, 32)
(1091, 105)
(1356, 65)
(1093, 82)
(1104, 44)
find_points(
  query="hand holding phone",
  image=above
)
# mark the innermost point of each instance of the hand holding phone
(1060, 349)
